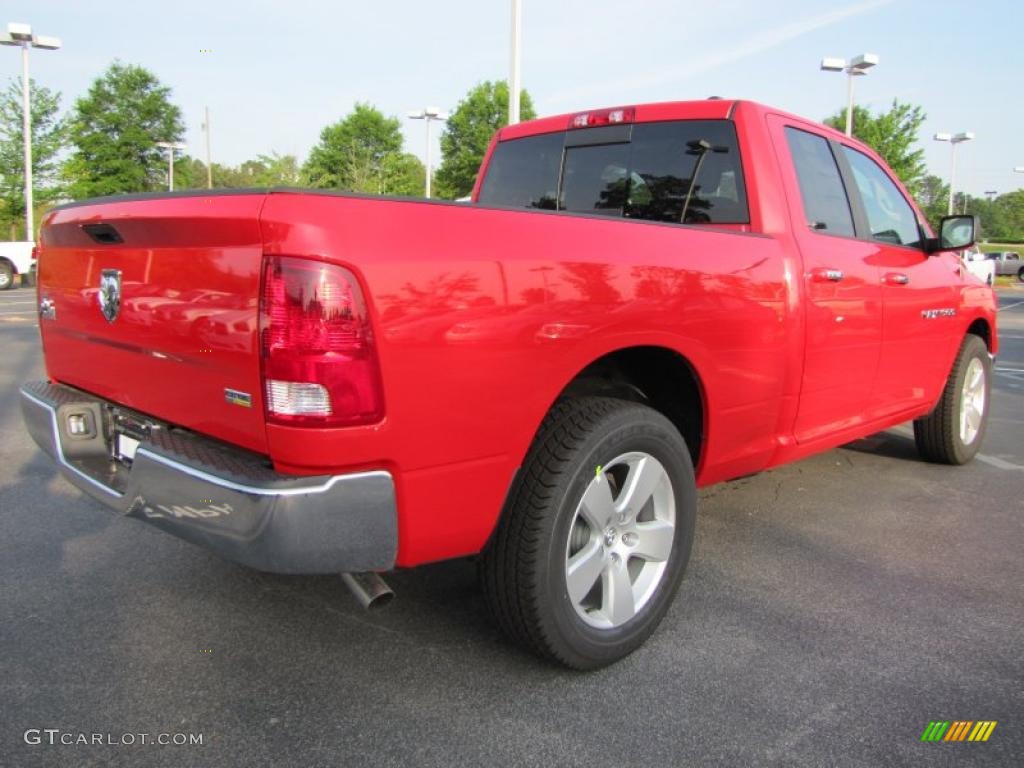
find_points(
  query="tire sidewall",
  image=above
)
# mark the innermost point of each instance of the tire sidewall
(974, 348)
(632, 428)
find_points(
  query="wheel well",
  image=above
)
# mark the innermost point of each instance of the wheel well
(980, 328)
(656, 376)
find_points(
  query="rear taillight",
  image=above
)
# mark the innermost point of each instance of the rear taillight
(319, 357)
(602, 117)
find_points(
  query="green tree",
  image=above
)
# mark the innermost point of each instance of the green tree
(274, 170)
(468, 132)
(1002, 219)
(271, 170)
(933, 197)
(404, 174)
(47, 132)
(893, 135)
(352, 153)
(114, 130)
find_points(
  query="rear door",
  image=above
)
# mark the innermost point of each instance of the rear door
(843, 298)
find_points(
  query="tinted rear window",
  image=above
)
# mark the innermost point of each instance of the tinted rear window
(524, 173)
(595, 179)
(681, 171)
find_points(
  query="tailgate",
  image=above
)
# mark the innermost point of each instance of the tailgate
(155, 307)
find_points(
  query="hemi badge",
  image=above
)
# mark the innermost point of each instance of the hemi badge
(235, 397)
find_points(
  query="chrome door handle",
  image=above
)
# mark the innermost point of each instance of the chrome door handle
(825, 275)
(896, 278)
(47, 309)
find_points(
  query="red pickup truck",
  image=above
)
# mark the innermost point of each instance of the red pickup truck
(640, 301)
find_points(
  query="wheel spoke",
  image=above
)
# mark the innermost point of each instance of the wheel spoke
(617, 601)
(976, 374)
(583, 570)
(654, 540)
(973, 416)
(597, 507)
(644, 476)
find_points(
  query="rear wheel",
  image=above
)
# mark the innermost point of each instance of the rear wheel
(954, 431)
(596, 535)
(1020, 274)
(6, 275)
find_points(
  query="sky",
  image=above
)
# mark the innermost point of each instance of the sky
(275, 73)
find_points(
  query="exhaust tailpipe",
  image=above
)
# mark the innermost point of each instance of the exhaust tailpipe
(369, 589)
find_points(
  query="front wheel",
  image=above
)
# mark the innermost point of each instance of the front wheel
(1020, 274)
(953, 432)
(596, 535)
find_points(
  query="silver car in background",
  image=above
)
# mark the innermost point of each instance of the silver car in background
(1007, 263)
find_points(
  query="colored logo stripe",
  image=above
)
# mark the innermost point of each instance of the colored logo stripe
(958, 730)
(982, 730)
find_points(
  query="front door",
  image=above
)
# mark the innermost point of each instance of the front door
(919, 294)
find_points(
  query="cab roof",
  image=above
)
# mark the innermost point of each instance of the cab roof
(704, 109)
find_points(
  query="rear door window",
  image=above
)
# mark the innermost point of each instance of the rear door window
(821, 186)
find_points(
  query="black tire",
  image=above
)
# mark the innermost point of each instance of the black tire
(1020, 274)
(523, 569)
(938, 434)
(6, 276)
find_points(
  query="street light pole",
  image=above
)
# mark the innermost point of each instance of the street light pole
(209, 167)
(855, 67)
(513, 78)
(21, 35)
(953, 139)
(170, 146)
(428, 114)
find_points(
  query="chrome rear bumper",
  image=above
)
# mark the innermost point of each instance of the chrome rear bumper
(223, 498)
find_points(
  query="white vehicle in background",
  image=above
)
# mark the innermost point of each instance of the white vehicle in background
(979, 266)
(16, 259)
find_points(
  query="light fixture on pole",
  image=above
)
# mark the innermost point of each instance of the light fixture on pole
(855, 67)
(21, 35)
(170, 146)
(513, 75)
(991, 194)
(953, 139)
(428, 114)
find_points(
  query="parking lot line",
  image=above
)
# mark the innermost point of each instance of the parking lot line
(995, 461)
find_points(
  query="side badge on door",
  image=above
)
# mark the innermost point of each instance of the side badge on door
(110, 293)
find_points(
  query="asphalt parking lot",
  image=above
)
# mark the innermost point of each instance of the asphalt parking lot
(832, 609)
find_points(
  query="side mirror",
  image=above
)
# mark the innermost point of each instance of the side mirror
(955, 233)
